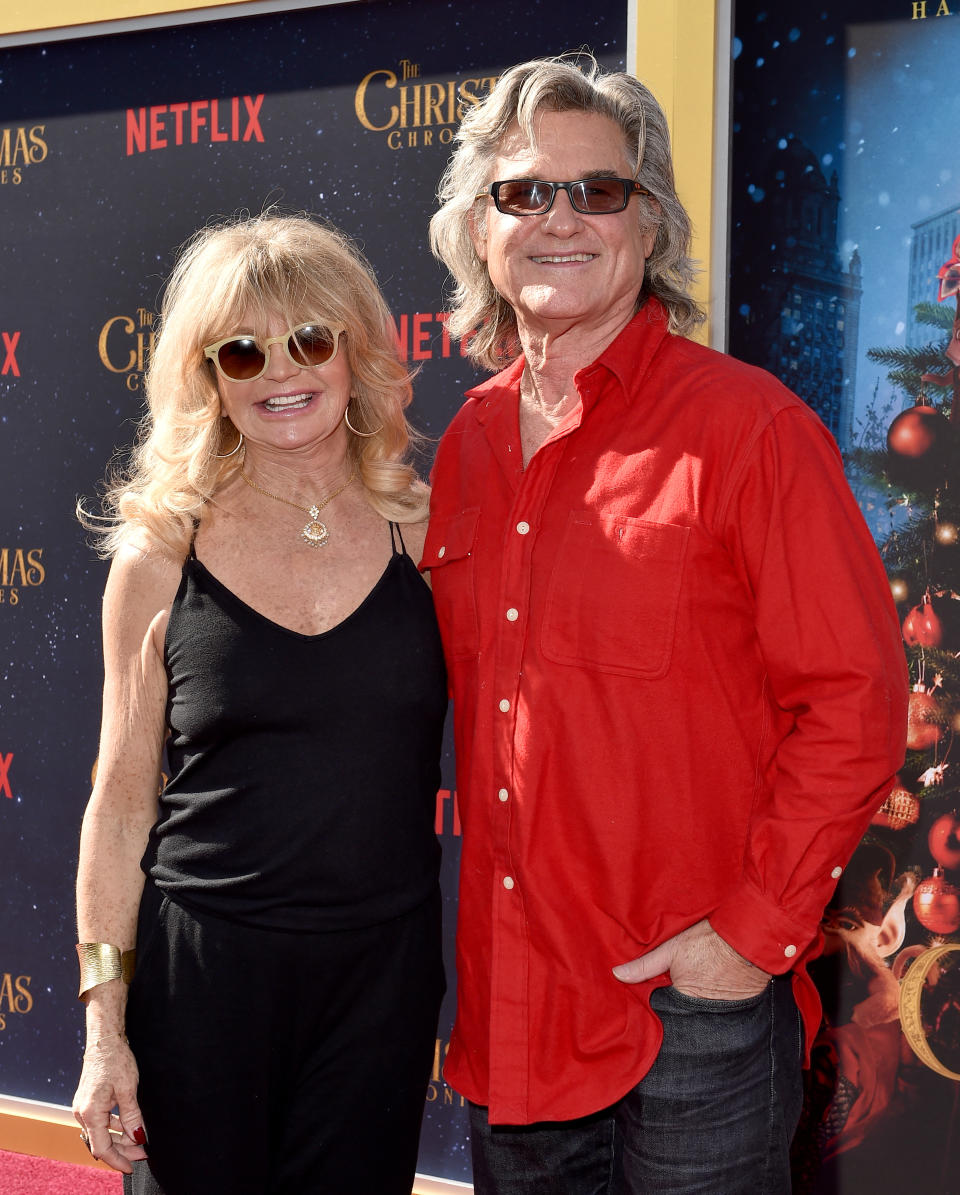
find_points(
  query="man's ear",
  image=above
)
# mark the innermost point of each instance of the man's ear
(650, 234)
(477, 227)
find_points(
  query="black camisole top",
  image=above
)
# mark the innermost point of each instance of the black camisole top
(303, 768)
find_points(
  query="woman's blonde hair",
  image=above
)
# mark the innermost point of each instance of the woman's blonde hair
(227, 275)
(568, 83)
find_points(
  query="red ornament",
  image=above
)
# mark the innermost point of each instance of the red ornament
(916, 431)
(921, 627)
(936, 903)
(900, 810)
(944, 840)
(923, 714)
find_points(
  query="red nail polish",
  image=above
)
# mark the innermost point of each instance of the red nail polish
(140, 1136)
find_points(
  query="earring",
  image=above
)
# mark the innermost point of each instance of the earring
(223, 455)
(363, 435)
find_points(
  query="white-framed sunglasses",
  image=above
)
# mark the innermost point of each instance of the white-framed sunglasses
(244, 357)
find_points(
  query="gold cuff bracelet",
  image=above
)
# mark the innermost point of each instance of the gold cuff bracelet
(100, 962)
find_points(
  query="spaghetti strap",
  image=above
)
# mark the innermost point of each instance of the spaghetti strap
(395, 527)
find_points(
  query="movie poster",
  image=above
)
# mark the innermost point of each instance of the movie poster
(113, 150)
(845, 283)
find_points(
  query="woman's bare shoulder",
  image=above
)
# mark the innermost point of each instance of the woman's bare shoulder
(143, 571)
(141, 586)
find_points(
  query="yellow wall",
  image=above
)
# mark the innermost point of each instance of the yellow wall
(24, 16)
(676, 58)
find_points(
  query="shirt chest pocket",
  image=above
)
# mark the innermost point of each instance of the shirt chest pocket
(448, 553)
(613, 595)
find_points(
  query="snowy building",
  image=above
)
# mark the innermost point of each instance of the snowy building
(803, 321)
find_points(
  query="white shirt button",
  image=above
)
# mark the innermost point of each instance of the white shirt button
(508, 882)
(837, 873)
(523, 528)
(503, 794)
(512, 614)
(790, 951)
(441, 552)
(504, 706)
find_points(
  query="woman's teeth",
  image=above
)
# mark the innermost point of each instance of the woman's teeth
(286, 401)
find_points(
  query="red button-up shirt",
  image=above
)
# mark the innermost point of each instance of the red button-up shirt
(679, 692)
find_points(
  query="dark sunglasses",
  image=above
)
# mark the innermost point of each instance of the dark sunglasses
(535, 196)
(244, 358)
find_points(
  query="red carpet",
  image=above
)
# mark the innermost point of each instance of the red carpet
(22, 1175)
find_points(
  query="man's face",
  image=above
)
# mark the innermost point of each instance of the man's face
(565, 268)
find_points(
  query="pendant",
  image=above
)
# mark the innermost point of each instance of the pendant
(315, 533)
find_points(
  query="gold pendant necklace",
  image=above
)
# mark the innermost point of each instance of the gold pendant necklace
(315, 533)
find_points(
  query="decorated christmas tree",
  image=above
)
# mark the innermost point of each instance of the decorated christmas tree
(886, 1060)
(915, 474)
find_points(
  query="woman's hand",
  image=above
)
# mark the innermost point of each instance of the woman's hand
(109, 1080)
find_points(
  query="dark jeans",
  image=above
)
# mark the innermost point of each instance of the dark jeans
(714, 1115)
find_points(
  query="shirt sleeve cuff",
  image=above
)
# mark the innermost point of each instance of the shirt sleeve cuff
(761, 931)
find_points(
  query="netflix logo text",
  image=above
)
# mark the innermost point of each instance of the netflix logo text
(10, 342)
(164, 126)
(423, 335)
(447, 819)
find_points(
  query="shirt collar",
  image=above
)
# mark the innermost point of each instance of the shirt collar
(628, 358)
(491, 394)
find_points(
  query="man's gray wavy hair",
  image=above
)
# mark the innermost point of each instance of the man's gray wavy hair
(568, 83)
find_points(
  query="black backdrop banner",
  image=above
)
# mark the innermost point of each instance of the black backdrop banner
(113, 150)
